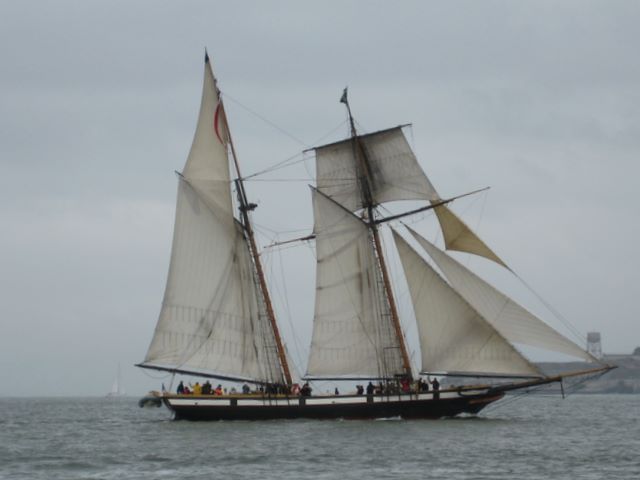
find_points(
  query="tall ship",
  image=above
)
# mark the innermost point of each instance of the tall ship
(217, 319)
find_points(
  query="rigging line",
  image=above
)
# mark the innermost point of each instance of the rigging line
(292, 159)
(265, 231)
(331, 132)
(508, 401)
(573, 386)
(296, 339)
(518, 394)
(307, 168)
(279, 248)
(269, 370)
(393, 266)
(573, 329)
(469, 259)
(287, 162)
(281, 180)
(150, 374)
(482, 208)
(570, 389)
(264, 119)
(279, 232)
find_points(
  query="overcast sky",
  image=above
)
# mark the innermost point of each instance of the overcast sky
(98, 104)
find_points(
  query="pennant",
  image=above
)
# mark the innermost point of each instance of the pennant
(343, 98)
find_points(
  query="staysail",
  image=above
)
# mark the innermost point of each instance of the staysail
(511, 320)
(213, 320)
(453, 336)
(352, 335)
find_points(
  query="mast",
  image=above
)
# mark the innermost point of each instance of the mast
(365, 181)
(245, 208)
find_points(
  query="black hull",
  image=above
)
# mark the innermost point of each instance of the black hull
(326, 408)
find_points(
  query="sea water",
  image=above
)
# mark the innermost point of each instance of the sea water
(536, 437)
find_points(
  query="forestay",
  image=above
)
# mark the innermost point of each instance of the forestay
(510, 319)
(394, 171)
(453, 336)
(352, 334)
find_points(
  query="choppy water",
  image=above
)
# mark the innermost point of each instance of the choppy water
(582, 437)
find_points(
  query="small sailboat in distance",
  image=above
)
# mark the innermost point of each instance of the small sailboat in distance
(116, 388)
(217, 318)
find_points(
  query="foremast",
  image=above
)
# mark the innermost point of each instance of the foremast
(363, 168)
(244, 206)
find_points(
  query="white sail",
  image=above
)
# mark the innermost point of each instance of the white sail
(394, 170)
(209, 317)
(453, 336)
(510, 319)
(458, 236)
(212, 320)
(352, 335)
(207, 166)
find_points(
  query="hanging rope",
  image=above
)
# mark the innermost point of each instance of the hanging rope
(572, 329)
(264, 119)
(287, 162)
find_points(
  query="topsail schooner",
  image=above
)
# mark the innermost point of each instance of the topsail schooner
(217, 319)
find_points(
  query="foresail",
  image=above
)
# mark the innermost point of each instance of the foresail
(213, 319)
(510, 319)
(352, 335)
(453, 336)
(394, 170)
(458, 236)
(210, 319)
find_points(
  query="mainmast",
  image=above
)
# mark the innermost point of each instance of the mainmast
(365, 181)
(245, 207)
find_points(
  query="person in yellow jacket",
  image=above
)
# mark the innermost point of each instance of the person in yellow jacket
(197, 389)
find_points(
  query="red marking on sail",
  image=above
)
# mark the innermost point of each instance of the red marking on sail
(216, 122)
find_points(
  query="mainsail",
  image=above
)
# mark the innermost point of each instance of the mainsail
(453, 336)
(352, 334)
(213, 319)
(511, 320)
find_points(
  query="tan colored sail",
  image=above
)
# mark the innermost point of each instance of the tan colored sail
(458, 236)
